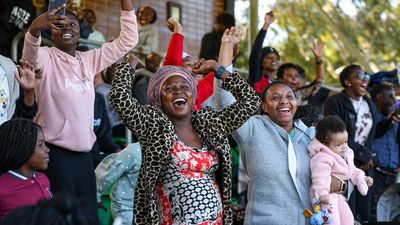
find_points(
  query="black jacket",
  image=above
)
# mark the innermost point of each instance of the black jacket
(340, 105)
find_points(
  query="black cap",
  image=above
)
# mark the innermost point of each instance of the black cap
(269, 49)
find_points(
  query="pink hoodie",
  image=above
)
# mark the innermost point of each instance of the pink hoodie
(324, 163)
(65, 94)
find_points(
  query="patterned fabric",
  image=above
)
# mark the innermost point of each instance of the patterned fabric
(159, 78)
(156, 134)
(120, 171)
(363, 122)
(187, 192)
(4, 96)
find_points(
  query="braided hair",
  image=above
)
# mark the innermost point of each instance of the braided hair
(17, 143)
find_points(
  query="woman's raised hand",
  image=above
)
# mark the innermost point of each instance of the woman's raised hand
(232, 35)
(174, 26)
(48, 20)
(268, 19)
(318, 49)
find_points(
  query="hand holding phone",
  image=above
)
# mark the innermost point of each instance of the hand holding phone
(56, 3)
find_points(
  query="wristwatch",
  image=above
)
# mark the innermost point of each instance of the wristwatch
(219, 72)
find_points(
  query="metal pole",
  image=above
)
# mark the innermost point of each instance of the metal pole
(14, 45)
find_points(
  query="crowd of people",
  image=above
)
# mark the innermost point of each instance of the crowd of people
(209, 146)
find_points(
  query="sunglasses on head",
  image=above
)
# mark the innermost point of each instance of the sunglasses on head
(362, 76)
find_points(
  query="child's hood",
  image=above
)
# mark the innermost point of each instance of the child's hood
(315, 147)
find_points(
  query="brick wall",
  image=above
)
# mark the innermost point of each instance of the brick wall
(197, 19)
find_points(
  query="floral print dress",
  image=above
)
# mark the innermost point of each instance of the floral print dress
(187, 192)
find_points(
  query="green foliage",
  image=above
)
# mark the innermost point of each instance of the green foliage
(368, 37)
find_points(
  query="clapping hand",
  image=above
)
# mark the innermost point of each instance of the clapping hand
(204, 66)
(134, 61)
(232, 35)
(26, 75)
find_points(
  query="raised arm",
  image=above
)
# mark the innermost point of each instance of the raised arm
(110, 52)
(230, 40)
(126, 5)
(175, 47)
(47, 20)
(26, 77)
(247, 103)
(135, 115)
(306, 92)
(318, 51)
(255, 72)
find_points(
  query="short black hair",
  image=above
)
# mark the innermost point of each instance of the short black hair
(226, 19)
(347, 72)
(18, 139)
(327, 126)
(283, 67)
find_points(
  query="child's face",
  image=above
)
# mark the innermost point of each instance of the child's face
(338, 143)
(145, 15)
(39, 159)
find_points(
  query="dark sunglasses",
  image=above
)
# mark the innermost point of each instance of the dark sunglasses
(362, 76)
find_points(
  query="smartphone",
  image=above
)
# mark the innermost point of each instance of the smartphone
(55, 3)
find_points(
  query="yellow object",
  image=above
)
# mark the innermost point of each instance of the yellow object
(307, 213)
(316, 207)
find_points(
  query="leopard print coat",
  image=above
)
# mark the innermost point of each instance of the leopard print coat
(156, 132)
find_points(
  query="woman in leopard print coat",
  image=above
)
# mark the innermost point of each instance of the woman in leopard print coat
(158, 128)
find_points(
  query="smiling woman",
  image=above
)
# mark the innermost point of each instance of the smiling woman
(186, 156)
(277, 139)
(65, 94)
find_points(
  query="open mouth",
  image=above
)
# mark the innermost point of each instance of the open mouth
(284, 110)
(67, 36)
(179, 102)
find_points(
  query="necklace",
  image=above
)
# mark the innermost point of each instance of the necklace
(84, 78)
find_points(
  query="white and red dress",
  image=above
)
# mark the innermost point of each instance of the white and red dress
(187, 192)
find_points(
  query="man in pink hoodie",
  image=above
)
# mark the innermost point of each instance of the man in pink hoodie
(331, 156)
(65, 94)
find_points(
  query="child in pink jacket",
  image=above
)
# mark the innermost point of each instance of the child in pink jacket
(331, 156)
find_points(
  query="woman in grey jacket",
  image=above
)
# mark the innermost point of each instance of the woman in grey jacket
(274, 154)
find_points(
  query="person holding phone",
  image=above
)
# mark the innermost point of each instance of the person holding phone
(57, 3)
(65, 94)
